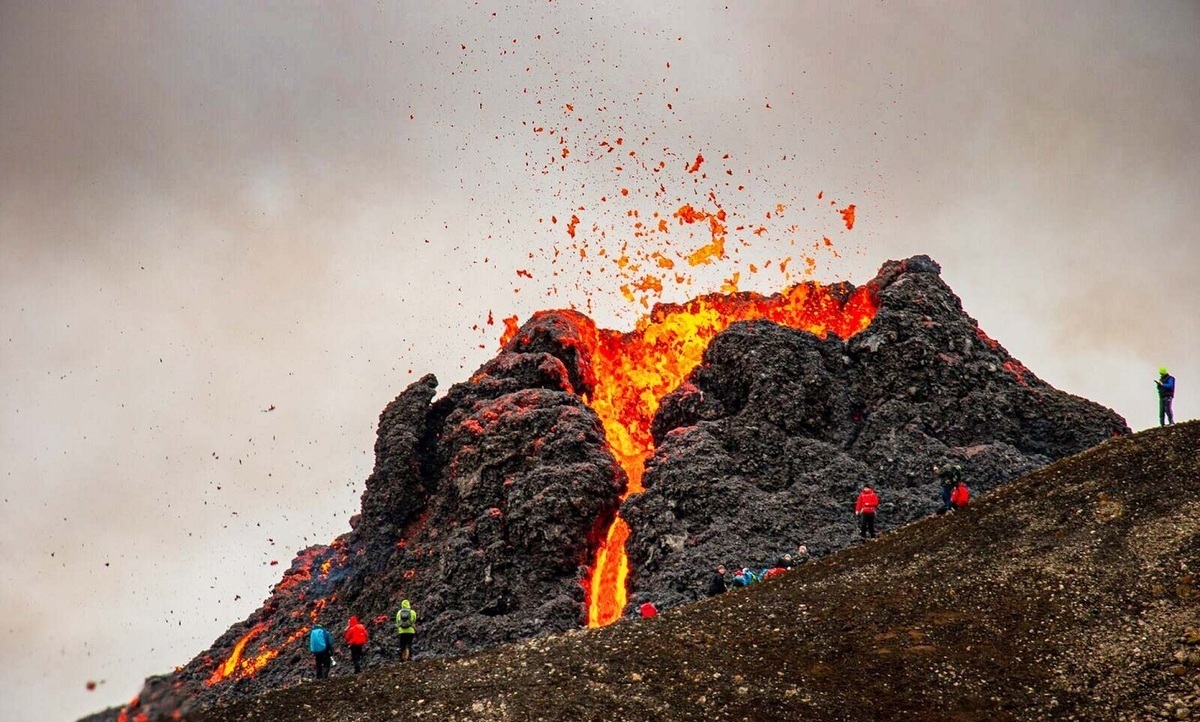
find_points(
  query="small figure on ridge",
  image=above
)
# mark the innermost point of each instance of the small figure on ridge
(717, 584)
(356, 638)
(949, 475)
(320, 643)
(406, 625)
(1166, 394)
(864, 508)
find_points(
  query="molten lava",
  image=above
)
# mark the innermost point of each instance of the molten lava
(634, 370)
(231, 663)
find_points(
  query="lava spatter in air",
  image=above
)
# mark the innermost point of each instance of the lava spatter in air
(634, 371)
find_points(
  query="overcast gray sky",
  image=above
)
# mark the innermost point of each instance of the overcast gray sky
(210, 209)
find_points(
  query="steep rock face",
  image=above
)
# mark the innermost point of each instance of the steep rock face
(768, 442)
(482, 510)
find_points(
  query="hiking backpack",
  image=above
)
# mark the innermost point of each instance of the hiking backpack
(316, 641)
(404, 619)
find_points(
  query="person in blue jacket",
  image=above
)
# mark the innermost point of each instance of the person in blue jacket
(320, 643)
(1166, 394)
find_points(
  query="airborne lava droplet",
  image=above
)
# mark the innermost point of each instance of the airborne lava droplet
(848, 216)
(510, 330)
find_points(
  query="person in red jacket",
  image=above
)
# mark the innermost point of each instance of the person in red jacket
(356, 639)
(960, 497)
(648, 610)
(864, 508)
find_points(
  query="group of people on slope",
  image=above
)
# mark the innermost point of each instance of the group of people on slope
(320, 641)
(955, 495)
(746, 576)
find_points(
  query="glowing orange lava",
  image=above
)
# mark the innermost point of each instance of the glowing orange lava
(235, 657)
(634, 370)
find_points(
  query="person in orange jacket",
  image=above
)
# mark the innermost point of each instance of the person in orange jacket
(960, 497)
(356, 639)
(864, 508)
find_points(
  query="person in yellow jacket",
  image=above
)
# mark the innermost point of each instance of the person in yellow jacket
(406, 625)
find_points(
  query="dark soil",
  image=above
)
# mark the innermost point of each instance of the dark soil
(1071, 593)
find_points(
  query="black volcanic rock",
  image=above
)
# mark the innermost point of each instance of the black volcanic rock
(768, 442)
(485, 506)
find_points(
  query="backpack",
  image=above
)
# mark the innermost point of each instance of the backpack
(316, 641)
(404, 618)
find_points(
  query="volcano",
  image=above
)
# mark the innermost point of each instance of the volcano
(582, 469)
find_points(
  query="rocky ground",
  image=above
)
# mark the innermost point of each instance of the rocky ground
(1072, 593)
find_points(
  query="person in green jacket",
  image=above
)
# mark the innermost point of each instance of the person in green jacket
(406, 625)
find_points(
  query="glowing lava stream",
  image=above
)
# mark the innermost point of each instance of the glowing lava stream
(633, 371)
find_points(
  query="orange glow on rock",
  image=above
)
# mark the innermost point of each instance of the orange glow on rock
(510, 330)
(230, 666)
(634, 371)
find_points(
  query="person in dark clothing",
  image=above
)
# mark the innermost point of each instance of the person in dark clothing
(949, 475)
(717, 584)
(865, 507)
(356, 639)
(320, 643)
(801, 557)
(1166, 394)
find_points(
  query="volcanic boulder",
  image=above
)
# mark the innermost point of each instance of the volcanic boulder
(767, 443)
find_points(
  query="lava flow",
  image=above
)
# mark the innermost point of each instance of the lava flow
(224, 670)
(634, 370)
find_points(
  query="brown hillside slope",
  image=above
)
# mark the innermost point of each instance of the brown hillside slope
(1072, 593)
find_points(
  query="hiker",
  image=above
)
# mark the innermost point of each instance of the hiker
(743, 578)
(406, 625)
(1166, 394)
(648, 610)
(801, 556)
(356, 639)
(961, 496)
(320, 643)
(717, 584)
(864, 508)
(791, 561)
(949, 475)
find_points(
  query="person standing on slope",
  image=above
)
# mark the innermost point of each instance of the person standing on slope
(1166, 394)
(406, 625)
(356, 639)
(717, 584)
(864, 508)
(320, 643)
(949, 475)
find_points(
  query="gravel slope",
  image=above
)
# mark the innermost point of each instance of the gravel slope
(1071, 593)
